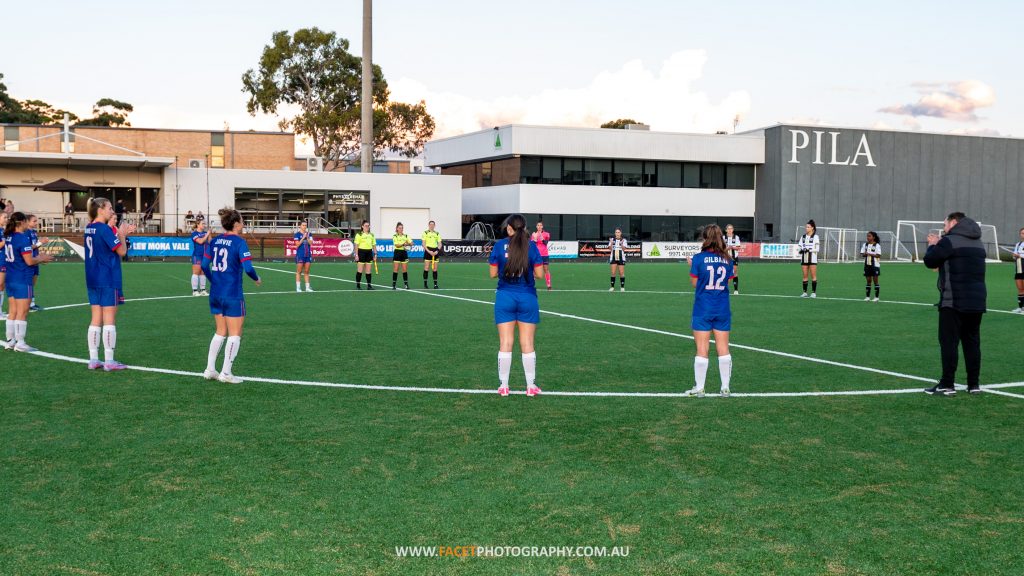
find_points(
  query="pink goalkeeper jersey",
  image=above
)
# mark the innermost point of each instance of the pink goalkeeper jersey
(541, 239)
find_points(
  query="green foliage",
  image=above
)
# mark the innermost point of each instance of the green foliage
(620, 124)
(108, 112)
(313, 82)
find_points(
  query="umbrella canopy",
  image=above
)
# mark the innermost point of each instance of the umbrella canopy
(62, 185)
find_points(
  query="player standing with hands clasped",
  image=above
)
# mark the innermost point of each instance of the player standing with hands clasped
(105, 245)
(710, 272)
(617, 259)
(1018, 272)
(872, 253)
(732, 244)
(808, 248)
(402, 243)
(431, 252)
(516, 263)
(303, 255)
(541, 239)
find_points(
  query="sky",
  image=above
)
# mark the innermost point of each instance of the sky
(680, 66)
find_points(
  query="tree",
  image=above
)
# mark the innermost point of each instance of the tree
(39, 112)
(109, 112)
(314, 72)
(620, 123)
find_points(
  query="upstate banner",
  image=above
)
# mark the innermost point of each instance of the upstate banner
(600, 249)
(466, 249)
(323, 247)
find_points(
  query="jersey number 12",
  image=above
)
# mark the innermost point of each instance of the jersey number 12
(714, 284)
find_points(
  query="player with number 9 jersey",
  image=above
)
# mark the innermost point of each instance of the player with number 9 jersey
(103, 265)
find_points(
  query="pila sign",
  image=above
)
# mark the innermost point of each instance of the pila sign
(804, 147)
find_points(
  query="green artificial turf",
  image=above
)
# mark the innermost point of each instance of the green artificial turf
(152, 473)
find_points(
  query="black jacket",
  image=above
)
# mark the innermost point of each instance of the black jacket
(960, 259)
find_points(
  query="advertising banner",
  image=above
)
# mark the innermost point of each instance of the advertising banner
(159, 246)
(670, 250)
(455, 249)
(779, 252)
(386, 249)
(327, 247)
(599, 249)
(563, 249)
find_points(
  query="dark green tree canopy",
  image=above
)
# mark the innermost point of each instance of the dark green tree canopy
(106, 112)
(620, 124)
(313, 83)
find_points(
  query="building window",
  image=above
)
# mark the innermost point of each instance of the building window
(691, 175)
(485, 174)
(552, 171)
(670, 175)
(650, 174)
(217, 150)
(11, 137)
(712, 176)
(597, 172)
(529, 170)
(739, 177)
(572, 171)
(628, 173)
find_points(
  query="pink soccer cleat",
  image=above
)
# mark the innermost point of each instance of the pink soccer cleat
(503, 391)
(532, 391)
(113, 366)
(95, 364)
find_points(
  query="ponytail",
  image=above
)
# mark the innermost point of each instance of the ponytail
(94, 206)
(518, 247)
(713, 241)
(13, 222)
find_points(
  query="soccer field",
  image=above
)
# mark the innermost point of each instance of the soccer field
(331, 454)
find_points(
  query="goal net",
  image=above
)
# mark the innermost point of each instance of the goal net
(912, 235)
(844, 244)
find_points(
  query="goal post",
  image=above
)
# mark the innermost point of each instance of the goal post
(913, 236)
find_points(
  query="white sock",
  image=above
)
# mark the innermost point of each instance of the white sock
(725, 369)
(307, 285)
(530, 368)
(2, 294)
(33, 303)
(109, 342)
(700, 371)
(10, 330)
(20, 328)
(202, 281)
(504, 367)
(234, 342)
(215, 344)
(298, 285)
(94, 343)
(195, 282)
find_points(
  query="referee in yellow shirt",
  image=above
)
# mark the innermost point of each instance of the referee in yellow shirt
(366, 253)
(431, 252)
(402, 243)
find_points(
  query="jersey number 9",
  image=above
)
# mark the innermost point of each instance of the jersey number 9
(9, 252)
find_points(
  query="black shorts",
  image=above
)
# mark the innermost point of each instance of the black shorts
(400, 256)
(872, 271)
(807, 259)
(1018, 276)
(621, 262)
(365, 256)
(428, 258)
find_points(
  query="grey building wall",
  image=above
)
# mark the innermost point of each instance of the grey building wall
(916, 177)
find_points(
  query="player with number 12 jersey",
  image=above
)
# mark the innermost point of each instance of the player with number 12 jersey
(710, 272)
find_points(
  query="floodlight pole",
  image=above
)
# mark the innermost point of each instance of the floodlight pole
(366, 124)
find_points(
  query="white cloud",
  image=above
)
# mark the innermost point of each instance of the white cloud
(957, 101)
(665, 99)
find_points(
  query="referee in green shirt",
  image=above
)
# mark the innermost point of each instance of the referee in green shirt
(431, 252)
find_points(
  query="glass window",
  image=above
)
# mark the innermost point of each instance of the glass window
(739, 177)
(552, 225)
(691, 175)
(552, 171)
(712, 176)
(217, 139)
(612, 221)
(151, 196)
(650, 174)
(572, 171)
(670, 174)
(569, 227)
(11, 137)
(588, 227)
(529, 170)
(628, 173)
(660, 228)
(217, 156)
(485, 173)
(597, 172)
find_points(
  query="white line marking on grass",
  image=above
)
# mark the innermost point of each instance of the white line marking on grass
(673, 334)
(522, 392)
(189, 296)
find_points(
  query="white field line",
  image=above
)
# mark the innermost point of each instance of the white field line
(551, 393)
(666, 333)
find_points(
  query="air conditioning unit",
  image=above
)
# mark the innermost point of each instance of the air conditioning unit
(196, 163)
(314, 164)
(416, 165)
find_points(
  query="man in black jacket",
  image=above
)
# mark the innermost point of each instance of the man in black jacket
(959, 257)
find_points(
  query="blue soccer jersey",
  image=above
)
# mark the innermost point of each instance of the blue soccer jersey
(304, 251)
(524, 283)
(198, 249)
(102, 262)
(227, 256)
(713, 272)
(16, 247)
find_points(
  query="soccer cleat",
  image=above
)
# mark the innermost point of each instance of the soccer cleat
(229, 378)
(725, 392)
(549, 288)
(973, 389)
(297, 289)
(210, 374)
(22, 347)
(308, 289)
(867, 298)
(435, 286)
(195, 292)
(532, 391)
(612, 289)
(406, 285)
(34, 308)
(950, 391)
(393, 287)
(804, 295)
(9, 344)
(425, 287)
(370, 287)
(203, 292)
(735, 292)
(113, 366)
(876, 299)
(1014, 311)
(503, 391)
(698, 392)
(623, 289)
(95, 364)
(814, 294)
(359, 286)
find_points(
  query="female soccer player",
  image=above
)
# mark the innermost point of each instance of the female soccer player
(617, 258)
(516, 263)
(1018, 267)
(225, 258)
(872, 253)
(366, 254)
(808, 247)
(710, 271)
(402, 243)
(104, 248)
(303, 255)
(732, 244)
(3, 263)
(431, 252)
(37, 243)
(200, 235)
(541, 239)
(18, 249)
